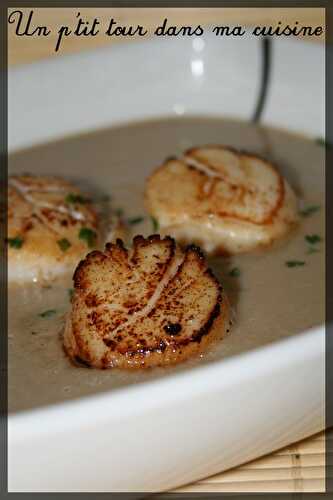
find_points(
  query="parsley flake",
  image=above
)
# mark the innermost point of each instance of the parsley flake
(48, 313)
(16, 242)
(307, 211)
(64, 244)
(135, 220)
(295, 263)
(323, 142)
(75, 198)
(235, 272)
(88, 235)
(312, 238)
(155, 224)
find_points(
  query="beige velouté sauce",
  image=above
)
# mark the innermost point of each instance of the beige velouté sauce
(271, 301)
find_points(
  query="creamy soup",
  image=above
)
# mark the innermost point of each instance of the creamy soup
(274, 295)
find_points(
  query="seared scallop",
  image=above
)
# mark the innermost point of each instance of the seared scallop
(51, 226)
(226, 201)
(153, 305)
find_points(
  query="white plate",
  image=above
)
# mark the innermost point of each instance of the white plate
(173, 430)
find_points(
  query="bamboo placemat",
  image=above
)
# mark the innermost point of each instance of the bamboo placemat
(297, 468)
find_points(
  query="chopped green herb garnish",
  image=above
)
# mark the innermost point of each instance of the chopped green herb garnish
(119, 212)
(155, 224)
(88, 235)
(15, 242)
(75, 198)
(70, 293)
(64, 244)
(295, 263)
(235, 272)
(311, 209)
(313, 238)
(321, 141)
(135, 220)
(48, 313)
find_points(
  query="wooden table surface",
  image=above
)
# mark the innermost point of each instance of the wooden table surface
(301, 466)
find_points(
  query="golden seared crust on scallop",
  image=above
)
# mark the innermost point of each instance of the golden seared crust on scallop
(154, 305)
(226, 201)
(51, 226)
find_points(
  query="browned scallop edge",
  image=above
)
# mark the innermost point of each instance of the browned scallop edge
(281, 189)
(82, 357)
(195, 338)
(79, 276)
(140, 241)
(75, 360)
(204, 330)
(50, 214)
(95, 255)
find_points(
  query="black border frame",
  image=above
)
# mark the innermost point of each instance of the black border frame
(3, 251)
(329, 248)
(3, 228)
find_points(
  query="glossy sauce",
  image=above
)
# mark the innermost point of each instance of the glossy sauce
(271, 301)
